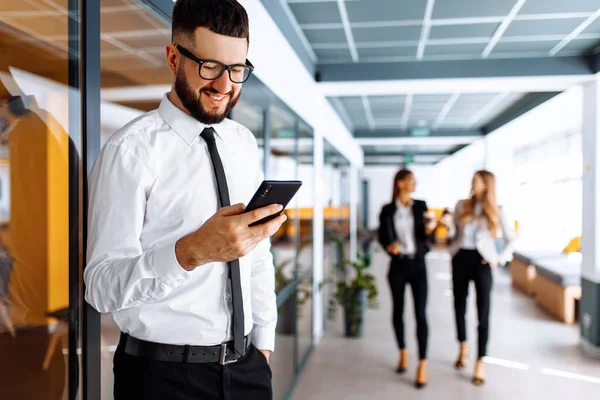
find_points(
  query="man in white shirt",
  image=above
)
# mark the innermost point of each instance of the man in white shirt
(189, 284)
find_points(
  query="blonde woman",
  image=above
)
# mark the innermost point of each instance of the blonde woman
(477, 223)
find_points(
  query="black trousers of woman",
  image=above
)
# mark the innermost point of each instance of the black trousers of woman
(466, 267)
(405, 271)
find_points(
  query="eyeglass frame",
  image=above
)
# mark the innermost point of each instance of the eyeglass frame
(188, 54)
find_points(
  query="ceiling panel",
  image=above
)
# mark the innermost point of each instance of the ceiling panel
(462, 31)
(454, 49)
(547, 6)
(385, 10)
(387, 101)
(328, 54)
(146, 41)
(582, 45)
(430, 99)
(594, 27)
(387, 52)
(534, 47)
(409, 149)
(388, 34)
(125, 21)
(316, 13)
(543, 27)
(325, 35)
(471, 8)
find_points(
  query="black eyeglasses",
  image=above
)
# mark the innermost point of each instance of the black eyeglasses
(212, 69)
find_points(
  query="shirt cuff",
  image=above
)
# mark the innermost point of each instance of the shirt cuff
(167, 268)
(263, 337)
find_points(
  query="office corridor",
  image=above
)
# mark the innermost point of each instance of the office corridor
(531, 356)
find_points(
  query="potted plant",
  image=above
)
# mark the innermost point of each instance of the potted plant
(355, 293)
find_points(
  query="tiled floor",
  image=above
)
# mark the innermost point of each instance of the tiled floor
(531, 355)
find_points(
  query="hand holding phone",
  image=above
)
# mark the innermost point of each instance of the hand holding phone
(227, 235)
(272, 192)
(235, 231)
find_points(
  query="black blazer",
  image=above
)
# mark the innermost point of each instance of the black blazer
(387, 232)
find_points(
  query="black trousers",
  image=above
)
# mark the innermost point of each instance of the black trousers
(466, 267)
(139, 378)
(413, 272)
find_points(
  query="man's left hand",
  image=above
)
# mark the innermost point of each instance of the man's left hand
(267, 355)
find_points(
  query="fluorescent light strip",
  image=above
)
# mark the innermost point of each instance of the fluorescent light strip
(575, 33)
(368, 112)
(506, 363)
(425, 29)
(570, 375)
(407, 109)
(298, 29)
(502, 28)
(447, 107)
(347, 30)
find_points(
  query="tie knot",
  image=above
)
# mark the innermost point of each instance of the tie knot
(208, 134)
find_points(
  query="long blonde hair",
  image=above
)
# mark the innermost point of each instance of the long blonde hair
(491, 211)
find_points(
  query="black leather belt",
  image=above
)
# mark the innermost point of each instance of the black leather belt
(222, 353)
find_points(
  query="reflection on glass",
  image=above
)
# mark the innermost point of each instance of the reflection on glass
(132, 60)
(283, 166)
(283, 360)
(34, 199)
(305, 318)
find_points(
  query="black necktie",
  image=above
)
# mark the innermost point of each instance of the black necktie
(208, 134)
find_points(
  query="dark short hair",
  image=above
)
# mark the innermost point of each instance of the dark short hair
(224, 17)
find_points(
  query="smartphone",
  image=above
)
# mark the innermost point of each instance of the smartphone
(272, 192)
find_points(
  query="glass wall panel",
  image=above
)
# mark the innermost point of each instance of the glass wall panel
(132, 60)
(40, 138)
(283, 360)
(336, 215)
(305, 317)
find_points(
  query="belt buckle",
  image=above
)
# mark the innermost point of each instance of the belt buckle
(223, 355)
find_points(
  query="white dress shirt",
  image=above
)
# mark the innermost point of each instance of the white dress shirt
(152, 184)
(469, 238)
(404, 224)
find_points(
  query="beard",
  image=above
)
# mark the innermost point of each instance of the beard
(193, 101)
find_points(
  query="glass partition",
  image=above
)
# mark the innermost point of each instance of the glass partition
(40, 143)
(336, 222)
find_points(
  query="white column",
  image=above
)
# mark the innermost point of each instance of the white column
(318, 238)
(590, 240)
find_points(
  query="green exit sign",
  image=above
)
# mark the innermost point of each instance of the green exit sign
(407, 159)
(419, 132)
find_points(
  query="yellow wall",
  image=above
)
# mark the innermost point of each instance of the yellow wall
(38, 235)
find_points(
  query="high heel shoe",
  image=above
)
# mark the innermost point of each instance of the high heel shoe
(421, 380)
(479, 374)
(403, 363)
(463, 356)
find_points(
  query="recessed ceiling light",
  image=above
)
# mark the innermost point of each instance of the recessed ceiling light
(422, 122)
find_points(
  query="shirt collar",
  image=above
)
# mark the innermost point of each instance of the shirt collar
(186, 126)
(400, 205)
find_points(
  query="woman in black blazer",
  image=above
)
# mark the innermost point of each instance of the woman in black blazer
(406, 234)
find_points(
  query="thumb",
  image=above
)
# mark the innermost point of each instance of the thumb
(229, 211)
